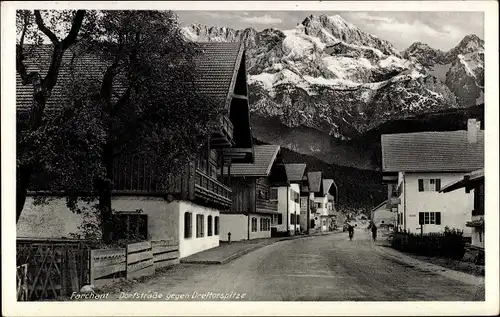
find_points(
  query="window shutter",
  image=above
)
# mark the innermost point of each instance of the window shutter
(420, 185)
(280, 219)
(438, 184)
(420, 218)
(438, 218)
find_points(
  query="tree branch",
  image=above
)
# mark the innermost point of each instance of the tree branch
(21, 68)
(75, 28)
(44, 29)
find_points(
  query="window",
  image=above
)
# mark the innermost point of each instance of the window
(429, 218)
(273, 195)
(130, 226)
(292, 219)
(303, 203)
(216, 225)
(268, 224)
(200, 226)
(429, 185)
(319, 205)
(261, 221)
(254, 224)
(280, 219)
(298, 219)
(209, 225)
(188, 225)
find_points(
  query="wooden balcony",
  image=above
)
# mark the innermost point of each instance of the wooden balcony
(210, 189)
(196, 185)
(222, 137)
(264, 206)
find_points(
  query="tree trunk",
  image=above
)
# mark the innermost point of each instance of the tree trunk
(23, 183)
(104, 195)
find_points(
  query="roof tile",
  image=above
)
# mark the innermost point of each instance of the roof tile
(265, 155)
(432, 152)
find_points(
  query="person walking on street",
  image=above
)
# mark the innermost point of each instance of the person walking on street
(350, 228)
(374, 231)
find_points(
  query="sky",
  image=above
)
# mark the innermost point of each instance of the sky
(440, 30)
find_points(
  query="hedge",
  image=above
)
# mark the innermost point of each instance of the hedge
(450, 244)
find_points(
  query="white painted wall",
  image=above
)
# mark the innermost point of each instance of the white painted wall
(165, 220)
(53, 220)
(294, 208)
(194, 245)
(258, 233)
(383, 214)
(455, 206)
(282, 208)
(237, 224)
(477, 233)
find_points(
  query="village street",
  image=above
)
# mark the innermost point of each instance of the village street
(328, 268)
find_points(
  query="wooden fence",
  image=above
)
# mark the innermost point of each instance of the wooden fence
(107, 266)
(164, 253)
(54, 268)
(136, 260)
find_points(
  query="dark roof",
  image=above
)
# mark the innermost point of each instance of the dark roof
(295, 171)
(432, 152)
(470, 179)
(216, 67)
(314, 181)
(379, 205)
(265, 156)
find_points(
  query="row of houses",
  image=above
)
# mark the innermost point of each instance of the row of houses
(231, 190)
(434, 180)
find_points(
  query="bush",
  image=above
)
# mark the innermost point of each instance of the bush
(450, 243)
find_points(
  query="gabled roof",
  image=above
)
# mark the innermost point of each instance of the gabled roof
(218, 67)
(295, 171)
(314, 181)
(216, 71)
(432, 152)
(329, 187)
(265, 155)
(379, 205)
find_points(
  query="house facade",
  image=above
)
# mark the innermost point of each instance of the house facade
(382, 215)
(416, 165)
(254, 204)
(472, 182)
(186, 209)
(289, 221)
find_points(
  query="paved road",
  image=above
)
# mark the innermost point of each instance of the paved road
(329, 268)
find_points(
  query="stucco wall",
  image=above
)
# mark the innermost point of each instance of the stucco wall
(282, 208)
(52, 220)
(234, 223)
(259, 234)
(188, 246)
(165, 220)
(455, 206)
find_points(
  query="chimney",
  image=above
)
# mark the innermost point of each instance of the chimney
(473, 127)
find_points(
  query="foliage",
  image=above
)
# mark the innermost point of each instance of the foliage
(449, 244)
(129, 90)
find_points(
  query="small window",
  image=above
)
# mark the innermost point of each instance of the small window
(209, 226)
(429, 185)
(280, 219)
(254, 224)
(188, 225)
(273, 195)
(200, 226)
(216, 225)
(261, 222)
(429, 218)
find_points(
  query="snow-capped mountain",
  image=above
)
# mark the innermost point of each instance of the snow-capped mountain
(329, 75)
(461, 68)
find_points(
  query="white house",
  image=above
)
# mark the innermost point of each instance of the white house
(382, 215)
(187, 210)
(473, 181)
(288, 197)
(415, 165)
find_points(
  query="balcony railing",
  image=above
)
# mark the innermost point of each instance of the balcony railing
(211, 189)
(267, 205)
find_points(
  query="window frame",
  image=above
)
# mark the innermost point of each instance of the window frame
(216, 226)
(188, 234)
(254, 224)
(209, 226)
(200, 226)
